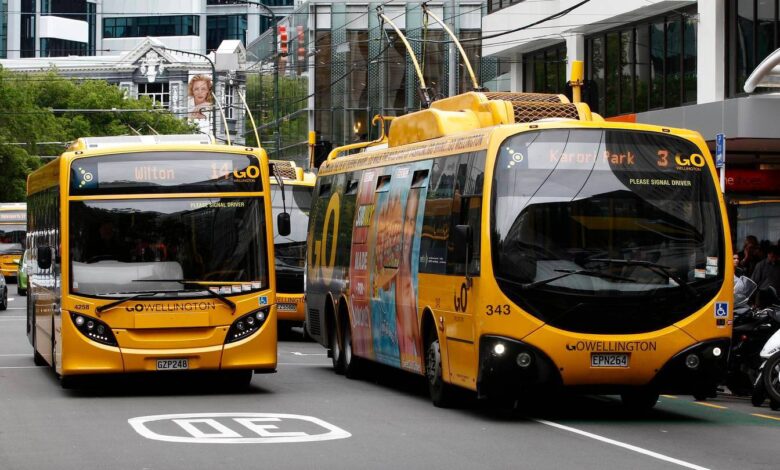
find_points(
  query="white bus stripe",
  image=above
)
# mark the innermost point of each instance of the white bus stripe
(607, 440)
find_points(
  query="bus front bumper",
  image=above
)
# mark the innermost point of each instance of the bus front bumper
(84, 356)
(510, 367)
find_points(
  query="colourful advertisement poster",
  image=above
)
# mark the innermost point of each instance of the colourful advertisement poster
(399, 206)
(359, 275)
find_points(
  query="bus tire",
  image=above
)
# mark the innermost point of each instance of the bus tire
(639, 400)
(442, 394)
(38, 360)
(336, 355)
(237, 379)
(352, 363)
(771, 378)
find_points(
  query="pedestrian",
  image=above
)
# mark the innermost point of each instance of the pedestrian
(767, 272)
(751, 255)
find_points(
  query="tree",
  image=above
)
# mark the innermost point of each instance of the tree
(43, 107)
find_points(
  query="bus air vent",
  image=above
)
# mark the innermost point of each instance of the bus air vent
(313, 322)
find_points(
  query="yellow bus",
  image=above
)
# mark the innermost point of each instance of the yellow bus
(291, 189)
(151, 253)
(512, 243)
(13, 230)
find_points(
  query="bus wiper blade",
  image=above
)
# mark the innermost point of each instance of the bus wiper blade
(659, 269)
(202, 288)
(116, 303)
(569, 272)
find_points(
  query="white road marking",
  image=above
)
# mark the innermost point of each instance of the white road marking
(17, 308)
(21, 367)
(237, 428)
(14, 355)
(634, 448)
(296, 353)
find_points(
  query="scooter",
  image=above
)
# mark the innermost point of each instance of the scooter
(767, 382)
(750, 332)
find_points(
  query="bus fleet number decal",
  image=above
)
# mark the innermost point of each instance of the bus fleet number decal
(498, 309)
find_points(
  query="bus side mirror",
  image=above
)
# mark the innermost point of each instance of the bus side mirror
(44, 257)
(462, 240)
(283, 223)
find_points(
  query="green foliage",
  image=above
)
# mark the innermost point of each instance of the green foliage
(27, 104)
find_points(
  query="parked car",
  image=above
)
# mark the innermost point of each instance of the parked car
(21, 274)
(3, 293)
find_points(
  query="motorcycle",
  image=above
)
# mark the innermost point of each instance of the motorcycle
(767, 382)
(752, 328)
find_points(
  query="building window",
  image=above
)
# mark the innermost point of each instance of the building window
(495, 5)
(27, 42)
(159, 93)
(4, 31)
(751, 35)
(71, 9)
(227, 101)
(222, 27)
(647, 65)
(92, 24)
(53, 47)
(142, 26)
(544, 71)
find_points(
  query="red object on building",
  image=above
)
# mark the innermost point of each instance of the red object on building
(301, 43)
(752, 181)
(283, 39)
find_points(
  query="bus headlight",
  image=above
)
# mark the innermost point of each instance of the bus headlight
(245, 325)
(93, 329)
(523, 359)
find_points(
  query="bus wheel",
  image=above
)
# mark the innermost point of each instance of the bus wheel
(38, 360)
(442, 393)
(237, 379)
(336, 355)
(352, 363)
(639, 400)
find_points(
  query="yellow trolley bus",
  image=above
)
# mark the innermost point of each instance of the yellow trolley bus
(291, 189)
(507, 243)
(13, 230)
(152, 254)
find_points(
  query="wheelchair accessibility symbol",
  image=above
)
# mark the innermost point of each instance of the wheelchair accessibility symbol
(721, 309)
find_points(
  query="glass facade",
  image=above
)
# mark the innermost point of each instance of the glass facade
(4, 30)
(752, 33)
(222, 27)
(142, 26)
(54, 47)
(27, 42)
(495, 5)
(544, 71)
(647, 65)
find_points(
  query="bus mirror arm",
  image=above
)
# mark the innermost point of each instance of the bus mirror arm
(44, 257)
(283, 219)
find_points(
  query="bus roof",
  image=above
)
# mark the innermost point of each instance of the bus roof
(91, 143)
(291, 173)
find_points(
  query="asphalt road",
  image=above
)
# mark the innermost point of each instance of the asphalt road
(305, 416)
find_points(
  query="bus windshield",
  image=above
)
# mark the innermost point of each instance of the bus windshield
(594, 214)
(290, 251)
(12, 238)
(118, 246)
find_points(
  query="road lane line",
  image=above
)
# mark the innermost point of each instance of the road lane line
(766, 416)
(12, 355)
(22, 367)
(634, 448)
(17, 308)
(702, 403)
(669, 396)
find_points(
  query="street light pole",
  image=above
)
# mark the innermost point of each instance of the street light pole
(213, 81)
(276, 72)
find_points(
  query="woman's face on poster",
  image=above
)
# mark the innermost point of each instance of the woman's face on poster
(200, 91)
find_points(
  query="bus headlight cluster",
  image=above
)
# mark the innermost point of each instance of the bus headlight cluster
(246, 325)
(93, 329)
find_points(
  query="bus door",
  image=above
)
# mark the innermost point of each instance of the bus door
(463, 270)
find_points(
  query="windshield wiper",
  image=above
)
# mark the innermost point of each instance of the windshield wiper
(140, 295)
(569, 272)
(659, 269)
(202, 288)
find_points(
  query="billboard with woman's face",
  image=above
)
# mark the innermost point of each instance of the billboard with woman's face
(199, 100)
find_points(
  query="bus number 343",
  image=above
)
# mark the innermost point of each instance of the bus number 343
(499, 309)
